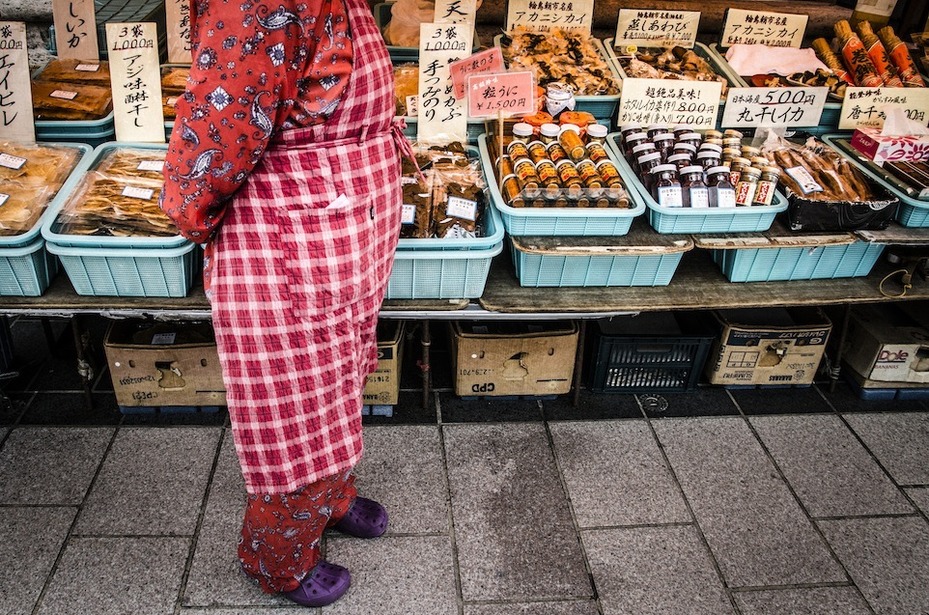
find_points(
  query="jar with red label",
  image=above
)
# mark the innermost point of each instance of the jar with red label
(570, 138)
(747, 186)
(548, 178)
(528, 179)
(570, 178)
(537, 152)
(596, 151)
(767, 184)
(556, 153)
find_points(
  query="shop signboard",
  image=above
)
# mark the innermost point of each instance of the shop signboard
(793, 106)
(136, 81)
(761, 28)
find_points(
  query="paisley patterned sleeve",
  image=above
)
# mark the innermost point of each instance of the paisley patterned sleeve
(255, 69)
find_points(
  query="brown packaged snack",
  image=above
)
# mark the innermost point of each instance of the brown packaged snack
(406, 84)
(53, 100)
(134, 164)
(21, 206)
(91, 72)
(168, 106)
(36, 165)
(117, 208)
(417, 207)
(817, 173)
(174, 79)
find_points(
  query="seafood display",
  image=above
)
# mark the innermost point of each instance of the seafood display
(114, 207)
(54, 100)
(816, 172)
(673, 63)
(30, 176)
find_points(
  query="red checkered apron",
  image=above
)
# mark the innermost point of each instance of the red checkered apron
(300, 269)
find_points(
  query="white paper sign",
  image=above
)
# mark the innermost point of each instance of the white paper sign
(10, 161)
(866, 106)
(455, 11)
(758, 28)
(136, 80)
(151, 165)
(177, 20)
(666, 101)
(3, 198)
(543, 16)
(75, 29)
(461, 208)
(136, 192)
(442, 118)
(16, 121)
(795, 106)
(654, 28)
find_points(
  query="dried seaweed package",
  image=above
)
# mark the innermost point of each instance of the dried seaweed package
(458, 203)
(37, 165)
(59, 100)
(91, 72)
(416, 217)
(21, 206)
(134, 164)
(174, 79)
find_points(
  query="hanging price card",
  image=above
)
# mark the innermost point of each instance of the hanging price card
(865, 107)
(455, 11)
(75, 29)
(177, 19)
(442, 117)
(752, 107)
(136, 82)
(545, 15)
(16, 122)
(664, 101)
(757, 28)
(487, 61)
(652, 28)
(506, 93)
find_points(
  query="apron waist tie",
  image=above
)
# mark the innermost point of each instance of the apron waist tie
(406, 150)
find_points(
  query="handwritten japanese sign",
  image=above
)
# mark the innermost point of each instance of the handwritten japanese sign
(507, 93)
(544, 15)
(662, 101)
(177, 19)
(653, 28)
(75, 29)
(757, 28)
(866, 107)
(16, 119)
(752, 107)
(442, 117)
(136, 81)
(487, 61)
(455, 11)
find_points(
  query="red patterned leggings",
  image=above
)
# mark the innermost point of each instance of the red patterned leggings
(280, 538)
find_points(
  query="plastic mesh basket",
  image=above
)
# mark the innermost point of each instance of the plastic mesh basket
(802, 263)
(26, 271)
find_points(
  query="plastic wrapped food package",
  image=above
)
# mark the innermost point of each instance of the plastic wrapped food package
(174, 79)
(21, 206)
(134, 164)
(91, 72)
(406, 85)
(114, 207)
(70, 101)
(36, 164)
(405, 19)
(671, 63)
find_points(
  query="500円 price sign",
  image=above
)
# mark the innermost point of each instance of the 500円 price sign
(663, 101)
(751, 107)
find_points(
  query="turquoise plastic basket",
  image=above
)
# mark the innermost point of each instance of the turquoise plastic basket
(399, 55)
(561, 221)
(90, 132)
(475, 129)
(802, 263)
(686, 220)
(129, 272)
(911, 213)
(440, 274)
(25, 271)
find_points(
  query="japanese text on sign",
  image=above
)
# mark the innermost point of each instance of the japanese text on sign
(544, 15)
(136, 82)
(506, 93)
(487, 61)
(660, 101)
(651, 28)
(752, 107)
(441, 116)
(455, 11)
(757, 28)
(177, 15)
(866, 107)
(15, 85)
(75, 29)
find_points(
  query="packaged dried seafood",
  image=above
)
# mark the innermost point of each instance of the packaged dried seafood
(416, 218)
(406, 86)
(36, 165)
(168, 106)
(53, 100)
(21, 206)
(673, 63)
(134, 164)
(174, 79)
(91, 72)
(105, 206)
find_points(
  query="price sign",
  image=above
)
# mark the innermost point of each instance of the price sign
(651, 28)
(664, 101)
(865, 107)
(442, 117)
(177, 19)
(506, 93)
(752, 107)
(75, 29)
(545, 15)
(15, 84)
(455, 11)
(757, 28)
(136, 82)
(487, 61)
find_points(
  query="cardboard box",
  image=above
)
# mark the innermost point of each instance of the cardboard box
(164, 364)
(880, 148)
(774, 346)
(886, 344)
(526, 358)
(383, 386)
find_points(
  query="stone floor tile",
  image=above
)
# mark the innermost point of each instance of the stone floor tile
(513, 526)
(780, 401)
(755, 528)
(408, 411)
(31, 538)
(702, 401)
(829, 470)
(50, 465)
(402, 468)
(616, 475)
(488, 409)
(175, 419)
(654, 571)
(71, 409)
(591, 407)
(395, 575)
(920, 495)
(899, 441)
(587, 607)
(106, 576)
(13, 406)
(887, 558)
(802, 601)
(285, 610)
(152, 482)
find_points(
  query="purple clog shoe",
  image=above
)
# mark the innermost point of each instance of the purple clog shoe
(365, 519)
(325, 584)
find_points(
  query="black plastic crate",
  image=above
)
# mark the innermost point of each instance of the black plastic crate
(662, 361)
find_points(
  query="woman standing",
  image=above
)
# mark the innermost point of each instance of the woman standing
(285, 136)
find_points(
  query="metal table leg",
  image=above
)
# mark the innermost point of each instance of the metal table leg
(424, 365)
(85, 366)
(579, 361)
(843, 332)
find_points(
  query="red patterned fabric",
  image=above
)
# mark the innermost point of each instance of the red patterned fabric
(279, 545)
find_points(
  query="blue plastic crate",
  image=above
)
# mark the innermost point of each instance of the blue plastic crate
(90, 132)
(801, 263)
(427, 274)
(687, 220)
(129, 272)
(25, 271)
(561, 221)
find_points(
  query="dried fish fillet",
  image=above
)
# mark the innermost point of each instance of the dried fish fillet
(91, 72)
(111, 207)
(134, 164)
(59, 100)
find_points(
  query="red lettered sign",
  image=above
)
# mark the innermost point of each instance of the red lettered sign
(507, 93)
(487, 61)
